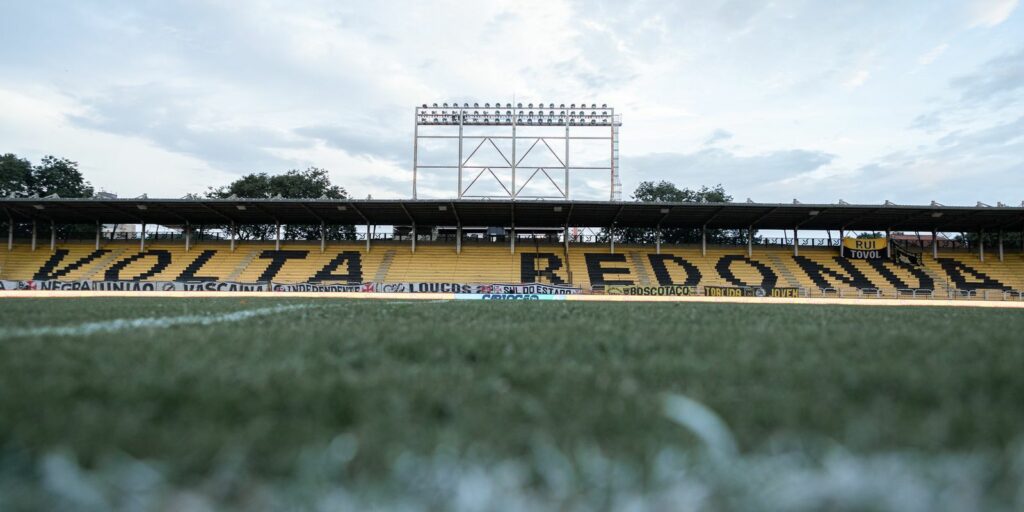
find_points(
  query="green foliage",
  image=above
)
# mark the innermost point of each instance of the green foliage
(59, 176)
(667, 192)
(874, 234)
(53, 175)
(15, 175)
(313, 183)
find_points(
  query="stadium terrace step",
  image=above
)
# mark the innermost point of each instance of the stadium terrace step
(478, 262)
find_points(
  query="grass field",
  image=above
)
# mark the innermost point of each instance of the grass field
(345, 404)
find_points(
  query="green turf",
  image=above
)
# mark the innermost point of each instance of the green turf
(488, 380)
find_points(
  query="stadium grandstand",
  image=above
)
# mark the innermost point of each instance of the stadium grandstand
(473, 245)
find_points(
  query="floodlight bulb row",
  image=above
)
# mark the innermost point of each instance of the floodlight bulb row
(529, 114)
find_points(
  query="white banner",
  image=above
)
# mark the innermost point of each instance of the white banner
(317, 287)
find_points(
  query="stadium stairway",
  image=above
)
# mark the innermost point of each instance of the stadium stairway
(482, 262)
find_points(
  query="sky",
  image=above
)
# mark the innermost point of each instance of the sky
(818, 101)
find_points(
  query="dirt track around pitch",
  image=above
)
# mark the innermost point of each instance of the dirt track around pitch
(35, 294)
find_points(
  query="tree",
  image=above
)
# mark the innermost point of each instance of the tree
(294, 184)
(58, 176)
(667, 192)
(15, 175)
(53, 175)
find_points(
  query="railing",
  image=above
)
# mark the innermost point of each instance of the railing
(915, 293)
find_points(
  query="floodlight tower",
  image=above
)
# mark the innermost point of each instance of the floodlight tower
(498, 122)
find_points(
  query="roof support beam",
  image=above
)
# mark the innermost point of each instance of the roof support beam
(360, 212)
(809, 218)
(709, 219)
(413, 222)
(909, 218)
(134, 214)
(311, 212)
(218, 213)
(10, 230)
(28, 215)
(763, 216)
(268, 213)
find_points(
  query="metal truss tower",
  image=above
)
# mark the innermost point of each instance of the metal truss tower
(499, 124)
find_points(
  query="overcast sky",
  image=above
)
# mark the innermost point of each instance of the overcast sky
(864, 101)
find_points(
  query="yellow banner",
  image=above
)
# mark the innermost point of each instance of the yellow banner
(865, 244)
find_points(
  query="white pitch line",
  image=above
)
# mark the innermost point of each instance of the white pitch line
(145, 323)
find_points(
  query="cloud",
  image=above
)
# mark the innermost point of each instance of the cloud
(361, 140)
(740, 174)
(180, 120)
(958, 168)
(211, 90)
(717, 136)
(932, 54)
(857, 79)
(989, 13)
(996, 80)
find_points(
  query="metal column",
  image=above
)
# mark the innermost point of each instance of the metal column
(842, 247)
(981, 245)
(611, 164)
(796, 242)
(414, 238)
(704, 240)
(277, 236)
(323, 236)
(512, 239)
(461, 118)
(415, 151)
(142, 238)
(567, 160)
(750, 242)
(657, 239)
(33, 235)
(367, 238)
(10, 233)
(53, 236)
(565, 238)
(188, 237)
(233, 233)
(611, 237)
(98, 231)
(458, 239)
(935, 245)
(514, 193)
(1000, 246)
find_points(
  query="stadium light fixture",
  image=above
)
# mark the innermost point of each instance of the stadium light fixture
(342, 208)
(442, 208)
(240, 207)
(141, 206)
(936, 215)
(813, 212)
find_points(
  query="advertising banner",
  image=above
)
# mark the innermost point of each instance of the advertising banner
(528, 288)
(651, 291)
(737, 291)
(507, 296)
(866, 248)
(134, 286)
(315, 287)
(227, 286)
